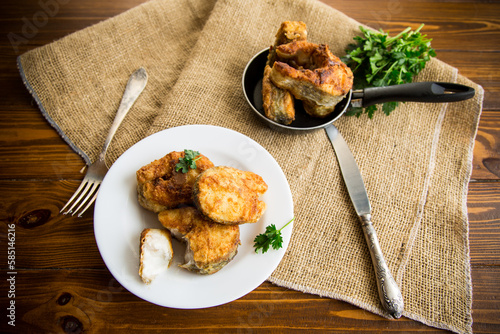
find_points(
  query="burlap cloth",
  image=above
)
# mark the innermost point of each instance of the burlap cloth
(416, 163)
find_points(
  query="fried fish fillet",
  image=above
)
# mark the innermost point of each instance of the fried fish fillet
(312, 74)
(155, 253)
(209, 246)
(160, 187)
(228, 195)
(289, 31)
(278, 104)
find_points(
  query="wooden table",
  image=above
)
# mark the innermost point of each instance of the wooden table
(62, 283)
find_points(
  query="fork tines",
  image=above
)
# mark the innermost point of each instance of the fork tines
(87, 190)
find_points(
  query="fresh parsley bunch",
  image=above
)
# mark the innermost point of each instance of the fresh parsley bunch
(379, 60)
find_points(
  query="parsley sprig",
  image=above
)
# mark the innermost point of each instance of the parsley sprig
(271, 237)
(188, 161)
(379, 60)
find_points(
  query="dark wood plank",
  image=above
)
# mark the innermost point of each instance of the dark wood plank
(54, 19)
(92, 300)
(61, 241)
(483, 203)
(485, 292)
(31, 149)
(486, 159)
(471, 26)
(20, 146)
(481, 68)
(62, 282)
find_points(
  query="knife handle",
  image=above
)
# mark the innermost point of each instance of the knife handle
(388, 290)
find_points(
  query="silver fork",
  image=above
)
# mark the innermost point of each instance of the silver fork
(87, 191)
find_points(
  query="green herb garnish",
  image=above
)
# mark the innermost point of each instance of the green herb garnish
(272, 237)
(188, 161)
(379, 60)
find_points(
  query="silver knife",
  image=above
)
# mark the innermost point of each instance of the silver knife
(388, 290)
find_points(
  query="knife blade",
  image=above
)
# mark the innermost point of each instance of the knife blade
(390, 295)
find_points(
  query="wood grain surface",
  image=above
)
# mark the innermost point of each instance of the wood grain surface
(62, 284)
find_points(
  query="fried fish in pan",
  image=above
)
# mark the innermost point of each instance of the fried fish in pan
(312, 74)
(278, 103)
(289, 31)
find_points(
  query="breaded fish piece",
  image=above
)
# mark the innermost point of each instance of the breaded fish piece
(289, 31)
(312, 74)
(160, 187)
(278, 104)
(228, 195)
(155, 253)
(209, 246)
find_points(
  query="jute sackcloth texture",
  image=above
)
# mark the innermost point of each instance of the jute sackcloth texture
(416, 163)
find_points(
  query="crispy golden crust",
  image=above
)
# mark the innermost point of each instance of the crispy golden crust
(209, 246)
(299, 54)
(160, 187)
(320, 111)
(312, 74)
(277, 103)
(289, 31)
(230, 196)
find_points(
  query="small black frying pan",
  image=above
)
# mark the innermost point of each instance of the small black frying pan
(412, 92)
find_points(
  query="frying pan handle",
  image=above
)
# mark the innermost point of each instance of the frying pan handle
(415, 92)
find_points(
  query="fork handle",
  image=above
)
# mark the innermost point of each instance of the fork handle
(134, 88)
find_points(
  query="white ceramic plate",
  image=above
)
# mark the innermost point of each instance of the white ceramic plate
(119, 220)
